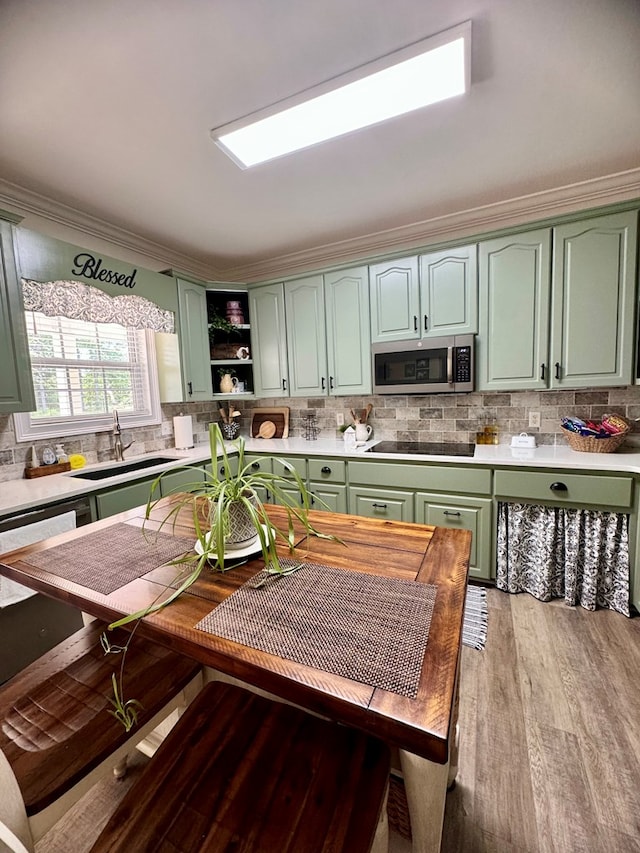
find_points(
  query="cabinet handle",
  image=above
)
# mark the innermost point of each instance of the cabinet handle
(331, 383)
(255, 466)
(448, 512)
(558, 487)
(426, 323)
(284, 384)
(543, 370)
(379, 506)
(324, 383)
(325, 469)
(415, 322)
(557, 366)
(221, 469)
(190, 388)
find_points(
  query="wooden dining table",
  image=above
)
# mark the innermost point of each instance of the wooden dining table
(421, 728)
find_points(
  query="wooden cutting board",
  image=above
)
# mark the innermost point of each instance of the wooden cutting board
(278, 416)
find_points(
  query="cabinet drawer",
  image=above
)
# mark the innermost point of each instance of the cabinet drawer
(547, 486)
(233, 464)
(436, 478)
(390, 504)
(328, 470)
(299, 463)
(258, 463)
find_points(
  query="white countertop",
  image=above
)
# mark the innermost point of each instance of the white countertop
(20, 495)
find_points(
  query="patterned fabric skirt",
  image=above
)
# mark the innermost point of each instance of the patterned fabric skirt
(559, 552)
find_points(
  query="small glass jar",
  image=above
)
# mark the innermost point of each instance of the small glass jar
(491, 432)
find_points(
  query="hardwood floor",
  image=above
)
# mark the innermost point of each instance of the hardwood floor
(550, 739)
(550, 733)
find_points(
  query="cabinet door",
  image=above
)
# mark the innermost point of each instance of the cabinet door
(328, 497)
(512, 344)
(16, 386)
(269, 341)
(346, 295)
(194, 341)
(122, 498)
(395, 300)
(177, 481)
(463, 513)
(306, 337)
(391, 504)
(593, 309)
(449, 292)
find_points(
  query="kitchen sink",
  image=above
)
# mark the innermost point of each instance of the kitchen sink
(123, 468)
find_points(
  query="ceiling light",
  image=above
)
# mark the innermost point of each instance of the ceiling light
(423, 73)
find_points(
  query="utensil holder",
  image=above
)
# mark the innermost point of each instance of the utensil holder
(229, 431)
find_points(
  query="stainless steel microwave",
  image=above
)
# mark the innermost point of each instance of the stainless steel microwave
(427, 366)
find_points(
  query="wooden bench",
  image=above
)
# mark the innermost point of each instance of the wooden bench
(56, 732)
(244, 773)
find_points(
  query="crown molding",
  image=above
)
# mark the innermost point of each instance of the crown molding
(25, 202)
(572, 198)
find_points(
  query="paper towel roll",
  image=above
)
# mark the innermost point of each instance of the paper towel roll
(183, 431)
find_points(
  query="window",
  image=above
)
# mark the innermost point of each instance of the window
(82, 371)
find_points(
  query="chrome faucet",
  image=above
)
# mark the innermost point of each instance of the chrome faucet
(118, 446)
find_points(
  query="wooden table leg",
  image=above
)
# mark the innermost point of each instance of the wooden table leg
(425, 785)
(454, 738)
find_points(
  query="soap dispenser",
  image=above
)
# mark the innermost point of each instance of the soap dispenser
(61, 455)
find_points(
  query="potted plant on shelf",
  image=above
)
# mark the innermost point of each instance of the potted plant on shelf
(220, 329)
(228, 514)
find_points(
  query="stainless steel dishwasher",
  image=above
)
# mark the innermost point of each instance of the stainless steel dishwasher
(30, 626)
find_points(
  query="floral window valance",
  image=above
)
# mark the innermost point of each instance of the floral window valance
(79, 301)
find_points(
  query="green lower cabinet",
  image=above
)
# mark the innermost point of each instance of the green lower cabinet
(288, 495)
(122, 498)
(178, 481)
(390, 504)
(334, 496)
(298, 463)
(461, 513)
(233, 463)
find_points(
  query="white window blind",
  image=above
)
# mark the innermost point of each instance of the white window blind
(82, 371)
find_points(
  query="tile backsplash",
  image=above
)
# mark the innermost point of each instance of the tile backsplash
(435, 417)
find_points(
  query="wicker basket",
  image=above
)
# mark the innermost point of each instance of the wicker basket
(592, 444)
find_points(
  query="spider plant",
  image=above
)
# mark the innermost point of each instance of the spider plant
(228, 487)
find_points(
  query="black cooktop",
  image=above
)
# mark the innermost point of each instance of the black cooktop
(428, 448)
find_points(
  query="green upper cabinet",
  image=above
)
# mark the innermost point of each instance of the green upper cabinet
(346, 295)
(311, 335)
(594, 265)
(269, 341)
(306, 337)
(449, 292)
(16, 387)
(395, 300)
(514, 291)
(563, 319)
(194, 341)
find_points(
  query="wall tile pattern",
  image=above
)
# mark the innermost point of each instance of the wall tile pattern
(435, 417)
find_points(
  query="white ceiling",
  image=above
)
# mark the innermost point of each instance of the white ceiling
(106, 108)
